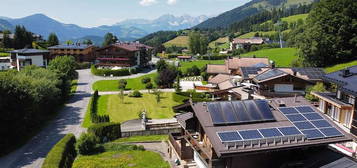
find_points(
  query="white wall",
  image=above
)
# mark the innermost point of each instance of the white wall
(36, 59)
(4, 65)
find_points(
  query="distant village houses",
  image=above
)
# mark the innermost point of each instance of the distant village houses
(81, 52)
(246, 43)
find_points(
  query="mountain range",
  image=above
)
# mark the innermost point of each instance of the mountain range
(253, 7)
(127, 30)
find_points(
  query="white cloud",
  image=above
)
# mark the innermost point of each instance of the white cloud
(147, 2)
(171, 2)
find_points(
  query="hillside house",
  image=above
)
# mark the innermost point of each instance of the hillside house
(277, 132)
(341, 106)
(24, 57)
(81, 52)
(124, 55)
(246, 43)
(232, 65)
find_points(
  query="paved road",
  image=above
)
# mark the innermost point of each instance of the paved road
(69, 120)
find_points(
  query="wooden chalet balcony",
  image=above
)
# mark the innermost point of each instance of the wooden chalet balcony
(205, 152)
(184, 152)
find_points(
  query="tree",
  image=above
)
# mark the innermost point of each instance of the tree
(52, 40)
(161, 65)
(157, 93)
(149, 86)
(69, 42)
(319, 87)
(167, 77)
(7, 41)
(122, 84)
(88, 42)
(86, 143)
(121, 95)
(109, 39)
(178, 86)
(22, 38)
(330, 35)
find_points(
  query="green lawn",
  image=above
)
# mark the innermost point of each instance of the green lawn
(282, 56)
(121, 159)
(295, 18)
(340, 66)
(223, 43)
(133, 84)
(251, 34)
(143, 138)
(180, 41)
(3, 54)
(74, 85)
(199, 63)
(119, 112)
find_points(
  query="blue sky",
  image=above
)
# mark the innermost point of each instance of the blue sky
(89, 13)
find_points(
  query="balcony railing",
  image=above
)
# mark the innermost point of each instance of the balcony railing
(184, 152)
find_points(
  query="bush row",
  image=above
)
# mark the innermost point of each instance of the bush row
(109, 72)
(213, 57)
(94, 117)
(83, 65)
(106, 131)
(62, 154)
(182, 97)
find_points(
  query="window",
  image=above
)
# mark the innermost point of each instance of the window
(338, 94)
(335, 112)
(348, 117)
(351, 100)
(322, 105)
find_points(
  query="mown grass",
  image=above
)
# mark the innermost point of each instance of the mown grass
(199, 63)
(221, 43)
(251, 34)
(147, 138)
(281, 56)
(121, 159)
(129, 109)
(340, 66)
(133, 84)
(180, 41)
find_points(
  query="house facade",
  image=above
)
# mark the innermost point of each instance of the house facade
(124, 55)
(246, 43)
(81, 52)
(231, 65)
(341, 106)
(24, 57)
(229, 134)
(5, 63)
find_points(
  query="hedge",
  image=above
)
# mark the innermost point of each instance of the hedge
(214, 57)
(62, 154)
(110, 131)
(94, 117)
(109, 72)
(182, 97)
(83, 65)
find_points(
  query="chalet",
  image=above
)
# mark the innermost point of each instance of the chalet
(184, 58)
(232, 65)
(246, 43)
(341, 106)
(124, 55)
(81, 52)
(24, 57)
(254, 133)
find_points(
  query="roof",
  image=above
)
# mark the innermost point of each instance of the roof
(344, 162)
(71, 46)
(269, 75)
(254, 40)
(217, 69)
(309, 73)
(250, 72)
(226, 85)
(236, 63)
(346, 83)
(29, 51)
(280, 120)
(219, 78)
(129, 46)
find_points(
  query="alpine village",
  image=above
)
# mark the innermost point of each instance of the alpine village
(268, 84)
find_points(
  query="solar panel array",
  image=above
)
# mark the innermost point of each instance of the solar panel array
(246, 71)
(310, 122)
(234, 112)
(312, 73)
(269, 74)
(259, 134)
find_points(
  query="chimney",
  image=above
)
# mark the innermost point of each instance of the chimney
(346, 73)
(272, 63)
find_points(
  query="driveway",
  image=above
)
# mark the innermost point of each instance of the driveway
(69, 120)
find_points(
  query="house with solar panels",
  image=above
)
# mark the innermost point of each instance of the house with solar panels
(254, 133)
(341, 105)
(81, 52)
(124, 55)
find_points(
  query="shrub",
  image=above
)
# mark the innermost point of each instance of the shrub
(94, 117)
(106, 131)
(146, 80)
(149, 86)
(133, 71)
(319, 87)
(86, 144)
(108, 72)
(182, 97)
(83, 65)
(62, 154)
(136, 93)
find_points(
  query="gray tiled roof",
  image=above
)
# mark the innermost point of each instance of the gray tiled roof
(72, 46)
(29, 51)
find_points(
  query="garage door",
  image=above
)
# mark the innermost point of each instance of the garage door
(283, 88)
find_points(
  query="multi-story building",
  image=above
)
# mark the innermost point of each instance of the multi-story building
(341, 106)
(81, 52)
(124, 55)
(24, 57)
(280, 132)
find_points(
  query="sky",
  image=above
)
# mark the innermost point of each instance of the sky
(91, 13)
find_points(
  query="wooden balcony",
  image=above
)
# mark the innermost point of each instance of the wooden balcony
(204, 151)
(179, 144)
